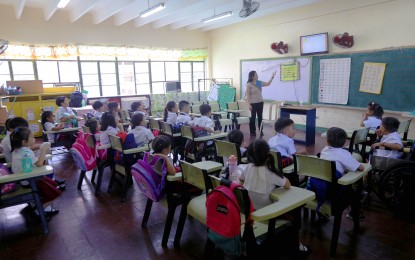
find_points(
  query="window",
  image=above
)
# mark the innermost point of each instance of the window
(157, 71)
(126, 76)
(186, 76)
(199, 73)
(90, 78)
(4, 72)
(142, 78)
(48, 72)
(68, 71)
(172, 71)
(23, 70)
(108, 78)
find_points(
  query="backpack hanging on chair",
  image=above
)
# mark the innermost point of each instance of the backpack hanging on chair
(83, 155)
(128, 142)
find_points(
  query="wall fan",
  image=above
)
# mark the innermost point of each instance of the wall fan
(3, 46)
(249, 8)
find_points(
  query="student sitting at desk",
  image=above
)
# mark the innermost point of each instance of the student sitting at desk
(108, 127)
(373, 116)
(48, 124)
(184, 118)
(139, 107)
(170, 113)
(114, 109)
(64, 113)
(98, 106)
(389, 138)
(142, 134)
(204, 121)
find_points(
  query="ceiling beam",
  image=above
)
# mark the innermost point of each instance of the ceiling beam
(50, 8)
(18, 7)
(81, 8)
(128, 13)
(108, 9)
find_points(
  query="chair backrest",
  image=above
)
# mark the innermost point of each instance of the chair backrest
(166, 128)
(116, 143)
(404, 128)
(243, 105)
(277, 159)
(359, 137)
(225, 124)
(197, 103)
(155, 124)
(195, 176)
(232, 105)
(275, 111)
(195, 109)
(226, 149)
(315, 167)
(186, 132)
(86, 129)
(215, 107)
(267, 111)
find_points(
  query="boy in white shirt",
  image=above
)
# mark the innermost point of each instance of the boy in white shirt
(98, 106)
(389, 139)
(184, 118)
(205, 120)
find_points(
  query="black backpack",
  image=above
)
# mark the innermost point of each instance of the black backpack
(76, 99)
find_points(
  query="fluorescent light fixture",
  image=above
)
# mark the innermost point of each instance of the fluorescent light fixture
(216, 17)
(152, 10)
(63, 3)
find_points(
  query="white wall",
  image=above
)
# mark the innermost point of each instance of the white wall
(375, 24)
(33, 29)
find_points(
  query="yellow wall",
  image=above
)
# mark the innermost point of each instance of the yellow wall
(32, 28)
(375, 24)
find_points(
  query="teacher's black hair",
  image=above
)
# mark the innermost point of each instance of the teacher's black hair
(251, 75)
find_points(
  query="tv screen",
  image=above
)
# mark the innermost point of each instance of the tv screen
(314, 44)
(174, 86)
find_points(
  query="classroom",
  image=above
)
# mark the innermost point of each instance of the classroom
(120, 55)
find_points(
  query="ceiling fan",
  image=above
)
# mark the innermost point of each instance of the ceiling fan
(249, 7)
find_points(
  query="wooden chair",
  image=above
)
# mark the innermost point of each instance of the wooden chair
(154, 124)
(226, 149)
(288, 171)
(326, 170)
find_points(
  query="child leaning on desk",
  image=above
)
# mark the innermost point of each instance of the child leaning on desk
(373, 116)
(389, 138)
(260, 177)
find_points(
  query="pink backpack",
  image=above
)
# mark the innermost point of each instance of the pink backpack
(8, 187)
(83, 155)
(223, 218)
(147, 179)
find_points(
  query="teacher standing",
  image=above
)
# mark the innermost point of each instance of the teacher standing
(253, 96)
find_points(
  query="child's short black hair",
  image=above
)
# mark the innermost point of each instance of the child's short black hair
(19, 135)
(17, 122)
(97, 105)
(183, 104)
(258, 153)
(107, 119)
(282, 123)
(236, 136)
(336, 137)
(135, 105)
(391, 124)
(205, 109)
(376, 109)
(112, 105)
(136, 120)
(45, 116)
(160, 142)
(60, 100)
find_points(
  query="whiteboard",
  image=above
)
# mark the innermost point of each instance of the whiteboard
(296, 90)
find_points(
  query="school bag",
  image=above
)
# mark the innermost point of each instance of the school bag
(146, 177)
(76, 99)
(190, 145)
(83, 156)
(8, 187)
(223, 219)
(128, 142)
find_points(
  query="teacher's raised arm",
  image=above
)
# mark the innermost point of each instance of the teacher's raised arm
(254, 98)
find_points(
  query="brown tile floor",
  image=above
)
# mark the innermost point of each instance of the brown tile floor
(102, 227)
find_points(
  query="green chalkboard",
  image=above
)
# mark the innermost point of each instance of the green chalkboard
(398, 90)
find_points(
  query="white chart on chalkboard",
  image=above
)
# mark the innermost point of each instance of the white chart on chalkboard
(296, 90)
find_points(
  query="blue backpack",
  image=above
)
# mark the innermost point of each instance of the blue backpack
(128, 142)
(146, 177)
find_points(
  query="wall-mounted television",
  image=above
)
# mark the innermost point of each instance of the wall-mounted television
(174, 86)
(314, 44)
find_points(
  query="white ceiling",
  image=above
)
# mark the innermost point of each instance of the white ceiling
(177, 14)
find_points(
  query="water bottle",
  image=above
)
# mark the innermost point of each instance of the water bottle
(233, 168)
(27, 163)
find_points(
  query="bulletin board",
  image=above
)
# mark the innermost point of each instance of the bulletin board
(292, 79)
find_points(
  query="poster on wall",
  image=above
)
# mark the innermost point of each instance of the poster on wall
(334, 81)
(372, 77)
(290, 72)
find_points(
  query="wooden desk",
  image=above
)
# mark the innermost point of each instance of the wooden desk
(22, 195)
(310, 113)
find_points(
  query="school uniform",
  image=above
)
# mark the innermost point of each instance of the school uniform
(343, 158)
(63, 112)
(104, 138)
(282, 144)
(48, 127)
(6, 147)
(141, 112)
(203, 121)
(260, 181)
(372, 122)
(142, 135)
(17, 157)
(98, 115)
(183, 119)
(392, 138)
(171, 118)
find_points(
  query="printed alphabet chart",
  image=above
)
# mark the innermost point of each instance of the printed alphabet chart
(334, 81)
(372, 77)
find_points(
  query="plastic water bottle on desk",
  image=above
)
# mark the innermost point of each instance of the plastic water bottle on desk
(27, 163)
(233, 168)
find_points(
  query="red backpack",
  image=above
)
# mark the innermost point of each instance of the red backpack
(223, 217)
(83, 155)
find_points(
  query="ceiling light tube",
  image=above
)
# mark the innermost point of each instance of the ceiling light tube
(152, 10)
(216, 17)
(63, 3)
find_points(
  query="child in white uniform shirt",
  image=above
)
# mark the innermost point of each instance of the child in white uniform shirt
(260, 177)
(108, 127)
(184, 118)
(48, 123)
(170, 113)
(139, 107)
(389, 139)
(142, 135)
(98, 106)
(373, 116)
(205, 120)
(64, 113)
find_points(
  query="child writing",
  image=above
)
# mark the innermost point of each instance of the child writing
(142, 135)
(48, 123)
(260, 177)
(389, 139)
(161, 146)
(184, 118)
(98, 106)
(373, 116)
(108, 127)
(139, 107)
(21, 139)
(64, 113)
(170, 113)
